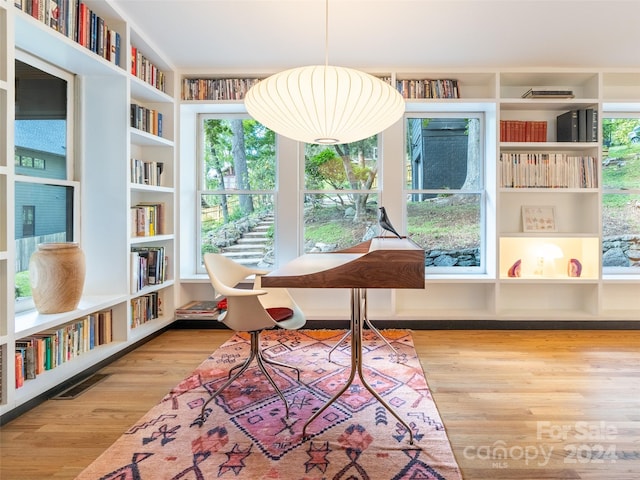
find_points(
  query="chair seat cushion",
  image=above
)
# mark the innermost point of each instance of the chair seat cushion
(222, 304)
(280, 313)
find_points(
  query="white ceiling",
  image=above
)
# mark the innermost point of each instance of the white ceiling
(263, 36)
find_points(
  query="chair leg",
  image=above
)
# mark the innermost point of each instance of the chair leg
(279, 364)
(230, 380)
(263, 368)
(255, 353)
(235, 368)
(243, 365)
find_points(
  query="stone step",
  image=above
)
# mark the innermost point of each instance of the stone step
(253, 234)
(243, 254)
(251, 247)
(245, 247)
(255, 260)
(253, 240)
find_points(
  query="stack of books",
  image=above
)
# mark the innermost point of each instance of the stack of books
(199, 310)
(548, 92)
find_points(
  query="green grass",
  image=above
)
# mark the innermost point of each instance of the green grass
(446, 223)
(626, 172)
(449, 226)
(23, 287)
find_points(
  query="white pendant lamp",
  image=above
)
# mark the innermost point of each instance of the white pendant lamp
(324, 104)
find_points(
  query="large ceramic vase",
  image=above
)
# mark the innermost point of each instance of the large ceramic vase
(56, 273)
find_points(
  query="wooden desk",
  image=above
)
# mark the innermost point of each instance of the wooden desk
(377, 263)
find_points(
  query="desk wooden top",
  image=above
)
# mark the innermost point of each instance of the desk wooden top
(377, 263)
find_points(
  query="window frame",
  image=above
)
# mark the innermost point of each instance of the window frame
(69, 181)
(375, 190)
(481, 191)
(200, 176)
(615, 271)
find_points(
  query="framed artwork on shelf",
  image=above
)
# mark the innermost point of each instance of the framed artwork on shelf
(537, 218)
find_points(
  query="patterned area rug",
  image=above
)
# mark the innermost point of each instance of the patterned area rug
(246, 435)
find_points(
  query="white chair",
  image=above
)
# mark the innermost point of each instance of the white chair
(248, 310)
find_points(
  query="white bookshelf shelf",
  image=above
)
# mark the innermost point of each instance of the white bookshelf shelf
(32, 322)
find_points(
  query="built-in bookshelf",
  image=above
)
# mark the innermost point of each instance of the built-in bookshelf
(547, 170)
(38, 353)
(151, 230)
(428, 88)
(147, 71)
(549, 199)
(148, 266)
(534, 168)
(112, 182)
(6, 180)
(147, 172)
(92, 28)
(216, 89)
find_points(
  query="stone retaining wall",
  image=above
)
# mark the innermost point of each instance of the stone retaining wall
(622, 251)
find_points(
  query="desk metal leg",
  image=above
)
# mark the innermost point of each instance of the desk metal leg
(355, 312)
(371, 327)
(358, 305)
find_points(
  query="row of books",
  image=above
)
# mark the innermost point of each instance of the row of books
(425, 88)
(580, 125)
(148, 266)
(547, 170)
(146, 173)
(147, 219)
(216, 88)
(146, 119)
(198, 310)
(45, 351)
(145, 308)
(75, 20)
(142, 68)
(523, 131)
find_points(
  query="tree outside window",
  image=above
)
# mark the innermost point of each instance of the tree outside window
(236, 196)
(340, 198)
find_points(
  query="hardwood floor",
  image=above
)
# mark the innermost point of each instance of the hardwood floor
(516, 404)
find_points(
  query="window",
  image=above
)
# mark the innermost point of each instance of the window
(445, 190)
(340, 201)
(28, 220)
(30, 162)
(236, 193)
(44, 188)
(621, 193)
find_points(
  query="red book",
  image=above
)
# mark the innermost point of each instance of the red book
(134, 53)
(19, 370)
(82, 16)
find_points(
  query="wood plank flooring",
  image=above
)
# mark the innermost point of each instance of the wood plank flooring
(516, 404)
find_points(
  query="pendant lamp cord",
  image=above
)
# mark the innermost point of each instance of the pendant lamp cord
(326, 33)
